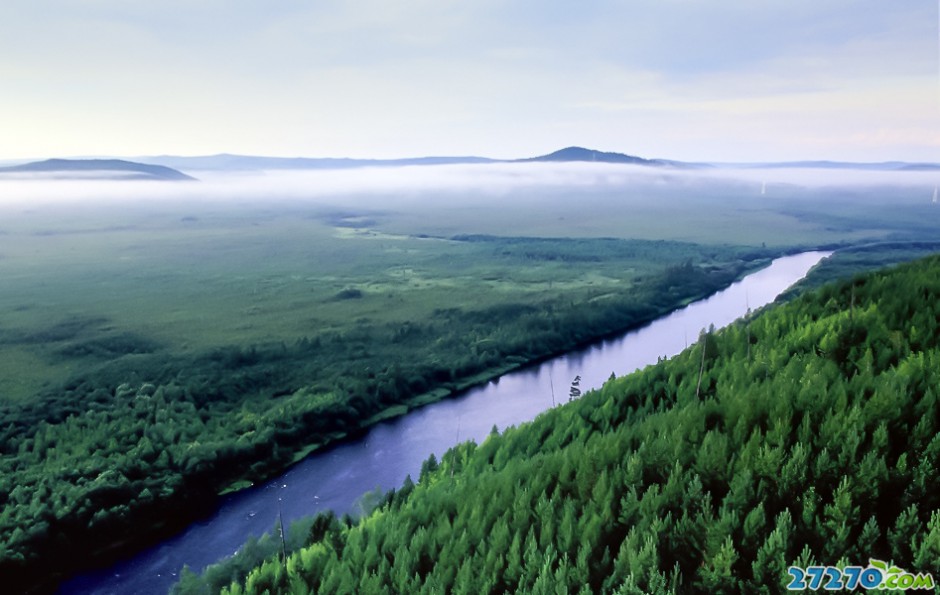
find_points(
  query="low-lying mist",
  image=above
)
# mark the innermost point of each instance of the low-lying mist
(466, 180)
(792, 207)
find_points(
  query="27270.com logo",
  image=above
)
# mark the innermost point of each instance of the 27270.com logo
(876, 576)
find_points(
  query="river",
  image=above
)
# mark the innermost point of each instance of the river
(336, 477)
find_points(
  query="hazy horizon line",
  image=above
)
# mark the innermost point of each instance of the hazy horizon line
(6, 161)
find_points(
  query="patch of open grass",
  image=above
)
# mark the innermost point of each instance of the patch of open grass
(192, 277)
(170, 286)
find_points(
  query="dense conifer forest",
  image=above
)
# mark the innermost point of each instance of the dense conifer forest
(805, 434)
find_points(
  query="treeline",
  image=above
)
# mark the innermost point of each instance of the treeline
(805, 435)
(601, 249)
(87, 467)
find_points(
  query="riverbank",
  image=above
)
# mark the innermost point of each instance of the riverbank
(384, 456)
(381, 456)
(159, 434)
(514, 363)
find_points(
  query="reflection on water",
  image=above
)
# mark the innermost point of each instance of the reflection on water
(336, 477)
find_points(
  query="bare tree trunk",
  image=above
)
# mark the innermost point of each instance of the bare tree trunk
(701, 369)
(280, 520)
(456, 442)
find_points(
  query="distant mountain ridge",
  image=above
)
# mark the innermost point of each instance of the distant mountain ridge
(572, 154)
(581, 154)
(167, 167)
(109, 169)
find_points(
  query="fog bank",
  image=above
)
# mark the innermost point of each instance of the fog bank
(402, 183)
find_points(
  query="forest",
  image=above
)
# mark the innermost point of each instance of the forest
(804, 434)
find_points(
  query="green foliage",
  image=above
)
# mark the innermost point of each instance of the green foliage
(806, 444)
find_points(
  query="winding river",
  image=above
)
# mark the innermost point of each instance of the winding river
(336, 477)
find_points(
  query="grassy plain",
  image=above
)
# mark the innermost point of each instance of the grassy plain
(189, 275)
(188, 286)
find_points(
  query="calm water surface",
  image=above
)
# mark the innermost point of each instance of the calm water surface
(335, 478)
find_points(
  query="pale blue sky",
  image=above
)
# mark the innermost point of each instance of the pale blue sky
(682, 79)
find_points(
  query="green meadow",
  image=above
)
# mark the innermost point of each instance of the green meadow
(73, 298)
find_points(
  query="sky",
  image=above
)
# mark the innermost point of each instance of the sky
(696, 80)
